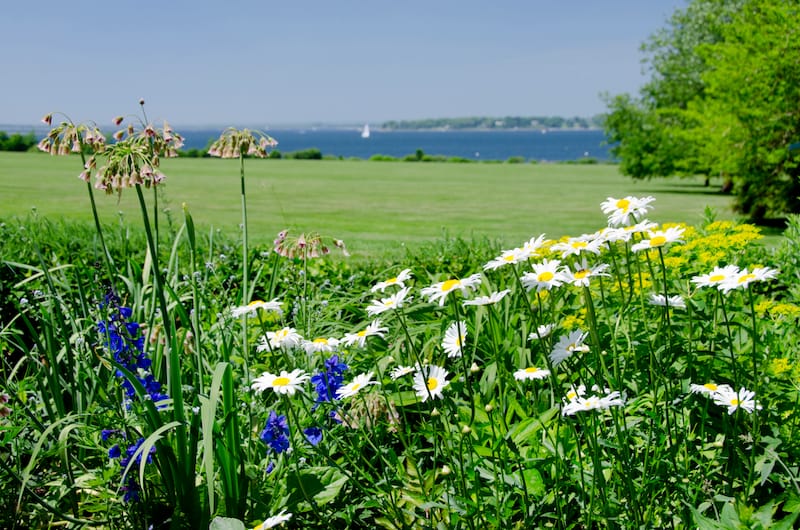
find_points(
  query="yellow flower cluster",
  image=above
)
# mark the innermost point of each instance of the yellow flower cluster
(576, 321)
(777, 310)
(717, 243)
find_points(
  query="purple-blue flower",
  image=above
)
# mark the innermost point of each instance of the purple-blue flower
(329, 380)
(276, 432)
(313, 435)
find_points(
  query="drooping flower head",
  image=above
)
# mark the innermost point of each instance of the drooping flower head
(234, 143)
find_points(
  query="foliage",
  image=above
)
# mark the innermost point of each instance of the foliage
(17, 142)
(720, 102)
(500, 123)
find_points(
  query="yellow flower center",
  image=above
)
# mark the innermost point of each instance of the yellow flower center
(355, 387)
(746, 277)
(711, 386)
(280, 381)
(735, 402)
(716, 278)
(572, 395)
(657, 241)
(581, 274)
(532, 370)
(362, 333)
(320, 341)
(449, 285)
(510, 257)
(391, 280)
(254, 303)
(579, 244)
(623, 204)
(281, 334)
(433, 383)
(545, 276)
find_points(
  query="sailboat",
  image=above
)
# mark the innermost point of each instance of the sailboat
(365, 131)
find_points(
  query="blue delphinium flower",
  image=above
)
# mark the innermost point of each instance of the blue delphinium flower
(276, 432)
(313, 435)
(329, 380)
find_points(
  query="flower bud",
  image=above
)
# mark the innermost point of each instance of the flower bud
(488, 407)
(446, 470)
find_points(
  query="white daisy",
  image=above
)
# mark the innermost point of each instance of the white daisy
(530, 372)
(622, 211)
(398, 280)
(387, 304)
(541, 331)
(576, 245)
(487, 300)
(567, 345)
(283, 338)
(583, 404)
(285, 383)
(320, 345)
(429, 381)
(659, 238)
(252, 308)
(545, 276)
(439, 291)
(532, 246)
(360, 338)
(454, 338)
(508, 257)
(745, 278)
(275, 520)
(744, 399)
(575, 392)
(582, 273)
(673, 301)
(352, 388)
(716, 277)
(399, 371)
(709, 389)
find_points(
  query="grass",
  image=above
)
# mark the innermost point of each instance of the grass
(373, 206)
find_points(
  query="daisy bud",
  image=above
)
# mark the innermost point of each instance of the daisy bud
(474, 368)
(435, 412)
(465, 429)
(488, 407)
(446, 470)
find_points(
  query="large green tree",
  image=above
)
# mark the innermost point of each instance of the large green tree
(723, 99)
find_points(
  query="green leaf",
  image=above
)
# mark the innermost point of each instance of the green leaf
(322, 484)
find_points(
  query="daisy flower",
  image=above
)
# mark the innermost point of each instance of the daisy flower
(274, 521)
(709, 389)
(386, 304)
(541, 331)
(532, 246)
(252, 308)
(439, 291)
(581, 275)
(575, 392)
(320, 345)
(744, 399)
(622, 211)
(672, 301)
(358, 382)
(283, 338)
(744, 278)
(487, 300)
(567, 345)
(454, 339)
(584, 404)
(508, 257)
(398, 280)
(429, 382)
(659, 238)
(716, 277)
(530, 372)
(285, 383)
(360, 338)
(545, 276)
(575, 245)
(399, 371)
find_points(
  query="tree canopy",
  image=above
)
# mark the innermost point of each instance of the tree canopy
(723, 99)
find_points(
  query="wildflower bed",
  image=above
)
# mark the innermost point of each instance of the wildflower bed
(641, 376)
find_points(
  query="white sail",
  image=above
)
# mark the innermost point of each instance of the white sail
(365, 131)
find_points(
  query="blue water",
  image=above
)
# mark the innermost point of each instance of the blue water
(553, 145)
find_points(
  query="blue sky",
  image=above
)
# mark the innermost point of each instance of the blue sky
(267, 63)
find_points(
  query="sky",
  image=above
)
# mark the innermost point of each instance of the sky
(268, 63)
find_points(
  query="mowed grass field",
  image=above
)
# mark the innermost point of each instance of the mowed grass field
(373, 206)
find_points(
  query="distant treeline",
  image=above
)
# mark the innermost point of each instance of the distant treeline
(507, 122)
(17, 142)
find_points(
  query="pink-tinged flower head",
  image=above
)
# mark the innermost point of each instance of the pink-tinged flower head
(48, 119)
(118, 120)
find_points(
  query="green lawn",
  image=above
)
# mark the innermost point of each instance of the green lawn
(371, 205)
